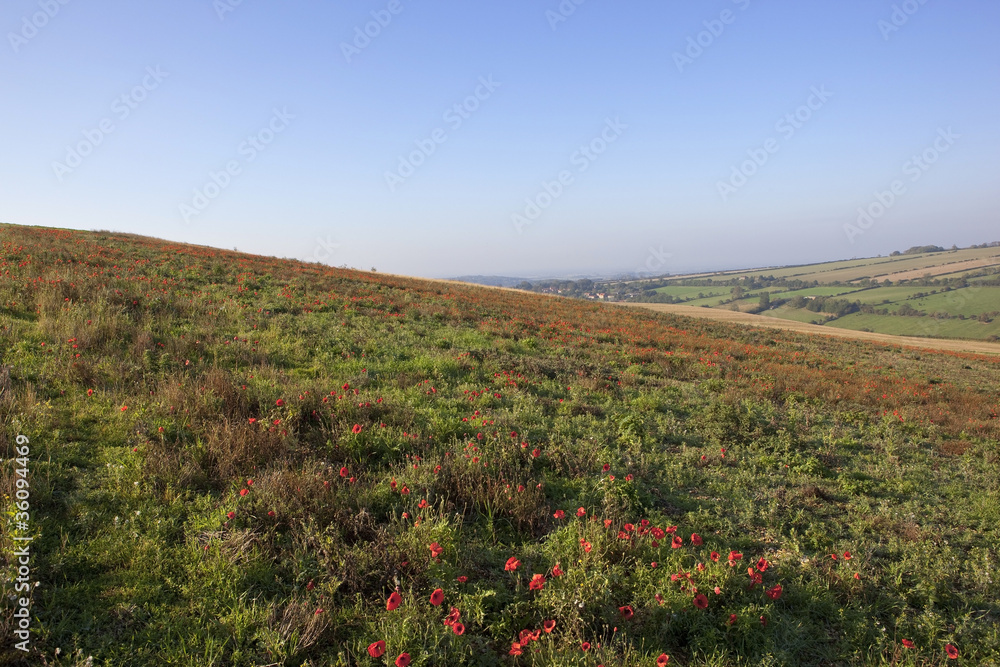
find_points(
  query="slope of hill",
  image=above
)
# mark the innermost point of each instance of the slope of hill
(225, 459)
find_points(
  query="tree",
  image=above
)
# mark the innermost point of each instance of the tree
(765, 300)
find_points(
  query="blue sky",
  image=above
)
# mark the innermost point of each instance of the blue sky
(251, 125)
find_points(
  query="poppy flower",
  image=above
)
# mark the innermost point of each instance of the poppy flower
(696, 539)
(847, 555)
(951, 651)
(310, 585)
(537, 582)
(628, 477)
(586, 545)
(231, 514)
(422, 504)
(515, 649)
(549, 626)
(559, 514)
(524, 637)
(626, 612)
(677, 542)
(536, 453)
(732, 619)
(714, 556)
(376, 649)
(762, 565)
(607, 523)
(733, 557)
(557, 571)
(355, 431)
(581, 512)
(405, 490)
(279, 402)
(394, 601)
(344, 472)
(461, 579)
(763, 621)
(657, 533)
(243, 492)
(701, 601)
(435, 548)
(249, 482)
(774, 593)
(452, 616)
(458, 628)
(908, 644)
(512, 564)
(629, 527)
(585, 646)
(437, 597)
(606, 467)
(403, 660)
(662, 660)
(718, 591)
(658, 598)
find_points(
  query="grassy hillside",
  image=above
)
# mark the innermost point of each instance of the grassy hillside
(238, 460)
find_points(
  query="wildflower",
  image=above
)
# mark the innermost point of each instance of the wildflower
(253, 420)
(732, 619)
(536, 453)
(657, 532)
(606, 467)
(279, 402)
(662, 660)
(515, 649)
(453, 616)
(607, 523)
(90, 392)
(461, 579)
(124, 408)
(376, 649)
(458, 628)
(422, 504)
(344, 472)
(701, 601)
(394, 601)
(629, 527)
(355, 431)
(581, 512)
(658, 598)
(774, 593)
(249, 482)
(403, 660)
(733, 557)
(586, 545)
(559, 514)
(908, 644)
(231, 514)
(512, 564)
(696, 539)
(270, 513)
(677, 542)
(762, 565)
(653, 564)
(628, 477)
(626, 612)
(557, 571)
(549, 626)
(763, 621)
(310, 585)
(537, 582)
(243, 492)
(847, 555)
(718, 591)
(405, 490)
(951, 651)
(437, 597)
(585, 646)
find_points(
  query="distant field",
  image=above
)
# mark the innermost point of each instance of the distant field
(911, 326)
(856, 269)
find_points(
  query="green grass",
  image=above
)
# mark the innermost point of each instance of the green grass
(203, 374)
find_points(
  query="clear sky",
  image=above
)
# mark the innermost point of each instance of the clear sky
(590, 137)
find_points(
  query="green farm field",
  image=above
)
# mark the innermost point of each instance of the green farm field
(227, 459)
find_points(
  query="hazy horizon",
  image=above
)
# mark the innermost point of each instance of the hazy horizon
(646, 137)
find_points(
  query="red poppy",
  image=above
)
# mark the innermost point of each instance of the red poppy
(677, 542)
(405, 490)
(355, 431)
(581, 512)
(774, 593)
(231, 514)
(515, 649)
(537, 582)
(629, 527)
(437, 597)
(243, 492)
(658, 598)
(606, 467)
(559, 514)
(394, 601)
(732, 619)
(585, 646)
(453, 616)
(847, 555)
(586, 545)
(461, 579)
(908, 644)
(557, 571)
(344, 472)
(951, 651)
(422, 504)
(536, 453)
(310, 585)
(403, 660)
(662, 660)
(549, 626)
(763, 621)
(512, 564)
(696, 539)
(762, 565)
(279, 402)
(458, 628)
(657, 533)
(700, 601)
(435, 548)
(376, 649)
(714, 556)
(626, 612)
(607, 523)
(733, 557)
(524, 637)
